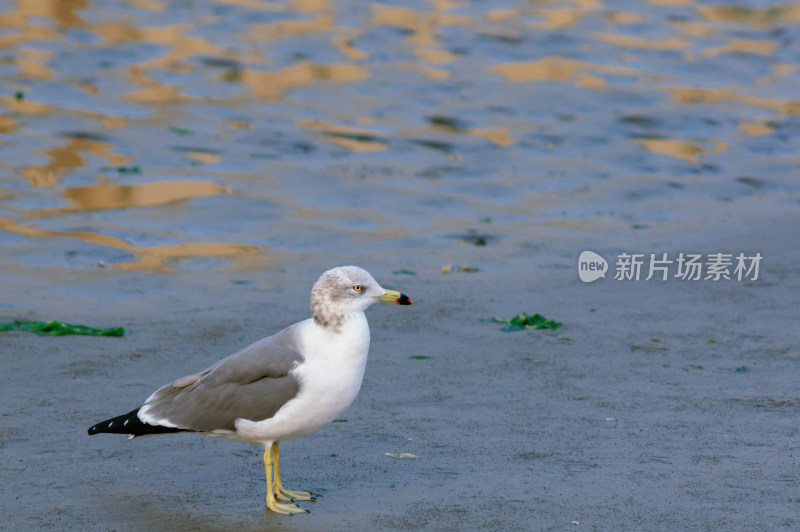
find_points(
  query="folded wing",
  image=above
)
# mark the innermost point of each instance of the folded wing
(251, 384)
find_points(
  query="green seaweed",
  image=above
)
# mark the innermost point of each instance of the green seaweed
(57, 328)
(122, 169)
(419, 357)
(181, 130)
(522, 322)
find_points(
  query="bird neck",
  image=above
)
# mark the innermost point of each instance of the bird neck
(329, 316)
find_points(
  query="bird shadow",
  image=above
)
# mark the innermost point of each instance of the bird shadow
(154, 511)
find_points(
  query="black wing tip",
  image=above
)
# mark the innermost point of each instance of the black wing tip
(131, 425)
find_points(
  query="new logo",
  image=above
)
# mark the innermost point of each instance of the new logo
(591, 266)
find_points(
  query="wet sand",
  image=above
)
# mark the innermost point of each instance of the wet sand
(594, 423)
(187, 170)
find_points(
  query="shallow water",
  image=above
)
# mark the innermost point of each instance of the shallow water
(159, 136)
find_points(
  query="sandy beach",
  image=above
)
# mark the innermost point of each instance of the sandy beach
(595, 425)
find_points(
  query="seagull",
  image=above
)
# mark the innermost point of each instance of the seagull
(279, 388)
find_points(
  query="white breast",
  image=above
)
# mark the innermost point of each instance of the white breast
(330, 377)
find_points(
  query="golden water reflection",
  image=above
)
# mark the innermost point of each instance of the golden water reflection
(498, 137)
(203, 156)
(767, 16)
(285, 29)
(24, 106)
(64, 12)
(682, 149)
(744, 46)
(557, 68)
(106, 196)
(65, 157)
(356, 139)
(97, 197)
(147, 257)
(693, 95)
(631, 41)
(7, 124)
(32, 64)
(344, 43)
(421, 25)
(756, 129)
(271, 84)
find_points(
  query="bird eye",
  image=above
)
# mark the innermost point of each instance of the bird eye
(358, 288)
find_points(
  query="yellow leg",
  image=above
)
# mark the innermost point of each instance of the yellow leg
(280, 492)
(272, 500)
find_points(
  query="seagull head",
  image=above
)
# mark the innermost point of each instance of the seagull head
(347, 290)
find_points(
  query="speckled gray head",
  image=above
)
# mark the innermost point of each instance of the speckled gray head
(347, 290)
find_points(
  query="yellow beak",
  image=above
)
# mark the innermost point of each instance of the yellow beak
(395, 297)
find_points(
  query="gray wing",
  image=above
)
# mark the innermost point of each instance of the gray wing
(251, 384)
